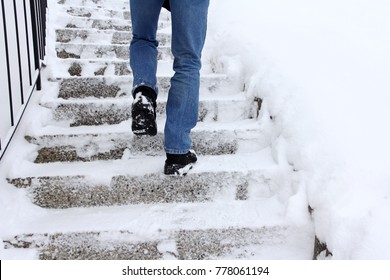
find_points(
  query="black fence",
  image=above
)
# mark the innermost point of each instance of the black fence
(22, 51)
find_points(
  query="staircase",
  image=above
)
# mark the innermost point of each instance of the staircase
(103, 187)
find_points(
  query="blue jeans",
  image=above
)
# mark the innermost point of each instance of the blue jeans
(189, 24)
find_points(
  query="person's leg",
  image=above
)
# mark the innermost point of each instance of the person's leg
(189, 24)
(143, 62)
(143, 47)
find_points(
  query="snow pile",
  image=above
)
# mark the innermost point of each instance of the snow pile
(321, 68)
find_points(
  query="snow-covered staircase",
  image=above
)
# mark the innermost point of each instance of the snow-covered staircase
(105, 187)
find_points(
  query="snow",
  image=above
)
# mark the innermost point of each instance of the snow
(321, 68)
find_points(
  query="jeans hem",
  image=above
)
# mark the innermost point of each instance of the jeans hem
(155, 88)
(176, 152)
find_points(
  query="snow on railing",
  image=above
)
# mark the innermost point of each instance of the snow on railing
(22, 50)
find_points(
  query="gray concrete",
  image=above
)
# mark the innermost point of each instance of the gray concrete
(99, 24)
(79, 191)
(90, 12)
(204, 244)
(110, 86)
(114, 37)
(92, 51)
(92, 113)
(87, 87)
(86, 246)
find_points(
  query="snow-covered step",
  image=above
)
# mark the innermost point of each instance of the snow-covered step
(202, 244)
(107, 67)
(100, 24)
(85, 68)
(140, 165)
(90, 12)
(97, 24)
(109, 4)
(111, 87)
(62, 192)
(112, 146)
(115, 111)
(109, 51)
(139, 179)
(102, 13)
(84, 36)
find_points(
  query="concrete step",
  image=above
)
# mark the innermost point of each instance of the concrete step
(109, 4)
(92, 12)
(115, 111)
(94, 23)
(201, 244)
(100, 24)
(112, 87)
(89, 68)
(140, 180)
(109, 51)
(113, 146)
(85, 36)
(60, 192)
(107, 67)
(122, 13)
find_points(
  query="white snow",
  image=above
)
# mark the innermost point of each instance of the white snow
(321, 68)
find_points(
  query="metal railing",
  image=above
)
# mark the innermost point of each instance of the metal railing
(22, 51)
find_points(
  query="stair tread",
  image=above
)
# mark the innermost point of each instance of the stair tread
(101, 67)
(51, 101)
(121, 131)
(112, 146)
(147, 221)
(113, 37)
(101, 50)
(137, 166)
(88, 12)
(124, 128)
(139, 180)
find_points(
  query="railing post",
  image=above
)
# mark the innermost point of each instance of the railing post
(27, 42)
(36, 43)
(18, 51)
(7, 62)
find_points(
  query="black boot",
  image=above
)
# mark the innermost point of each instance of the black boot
(143, 112)
(179, 164)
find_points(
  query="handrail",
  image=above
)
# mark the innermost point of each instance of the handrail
(22, 50)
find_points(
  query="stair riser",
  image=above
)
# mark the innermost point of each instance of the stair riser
(112, 87)
(85, 36)
(99, 114)
(88, 12)
(232, 243)
(93, 68)
(95, 24)
(115, 52)
(119, 4)
(78, 191)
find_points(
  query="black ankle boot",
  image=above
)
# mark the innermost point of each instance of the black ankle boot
(143, 112)
(179, 164)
